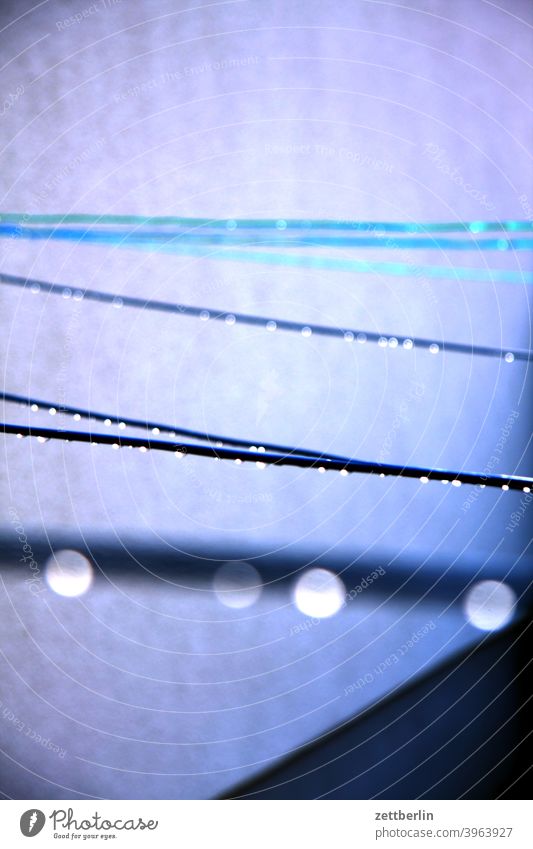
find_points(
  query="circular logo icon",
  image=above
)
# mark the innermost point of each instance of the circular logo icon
(32, 822)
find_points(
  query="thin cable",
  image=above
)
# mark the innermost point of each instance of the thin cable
(269, 223)
(158, 427)
(354, 266)
(269, 324)
(275, 239)
(505, 482)
(395, 269)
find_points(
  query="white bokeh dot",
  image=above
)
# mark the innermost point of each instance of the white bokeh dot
(489, 605)
(319, 593)
(68, 573)
(237, 584)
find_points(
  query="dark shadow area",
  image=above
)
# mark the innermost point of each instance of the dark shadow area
(461, 732)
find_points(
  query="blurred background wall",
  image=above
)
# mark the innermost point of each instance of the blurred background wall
(362, 110)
